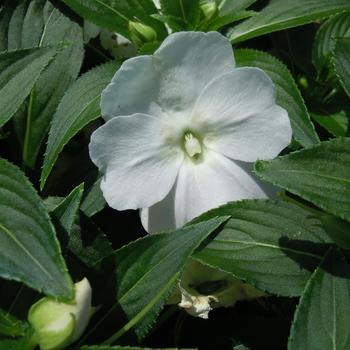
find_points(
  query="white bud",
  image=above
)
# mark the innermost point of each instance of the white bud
(58, 324)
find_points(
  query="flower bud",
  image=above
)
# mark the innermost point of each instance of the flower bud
(141, 33)
(58, 324)
(209, 9)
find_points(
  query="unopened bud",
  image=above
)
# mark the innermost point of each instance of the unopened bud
(209, 9)
(58, 324)
(141, 33)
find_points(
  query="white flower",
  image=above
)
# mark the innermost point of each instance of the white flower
(58, 324)
(183, 128)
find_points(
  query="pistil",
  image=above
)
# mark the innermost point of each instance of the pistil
(192, 145)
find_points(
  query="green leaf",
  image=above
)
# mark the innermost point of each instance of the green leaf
(338, 230)
(22, 69)
(94, 200)
(336, 27)
(27, 342)
(118, 347)
(282, 14)
(79, 106)
(272, 245)
(5, 16)
(52, 202)
(39, 23)
(115, 15)
(10, 326)
(187, 11)
(29, 250)
(88, 243)
(323, 315)
(67, 210)
(148, 269)
(336, 124)
(231, 6)
(342, 62)
(287, 93)
(176, 24)
(221, 21)
(320, 175)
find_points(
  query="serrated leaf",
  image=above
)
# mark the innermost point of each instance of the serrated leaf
(94, 200)
(88, 243)
(115, 15)
(148, 269)
(320, 175)
(11, 326)
(66, 211)
(19, 70)
(336, 27)
(29, 250)
(336, 124)
(287, 93)
(39, 23)
(272, 245)
(342, 62)
(282, 14)
(323, 315)
(79, 106)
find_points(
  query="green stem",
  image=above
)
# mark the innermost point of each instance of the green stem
(28, 127)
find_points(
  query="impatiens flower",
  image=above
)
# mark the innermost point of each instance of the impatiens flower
(58, 324)
(183, 128)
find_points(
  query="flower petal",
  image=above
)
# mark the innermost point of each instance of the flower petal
(203, 186)
(171, 79)
(238, 114)
(188, 62)
(132, 89)
(138, 164)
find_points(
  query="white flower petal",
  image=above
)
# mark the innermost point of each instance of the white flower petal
(200, 187)
(238, 114)
(160, 216)
(188, 61)
(82, 307)
(132, 89)
(171, 79)
(138, 164)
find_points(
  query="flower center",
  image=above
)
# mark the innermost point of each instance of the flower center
(192, 145)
